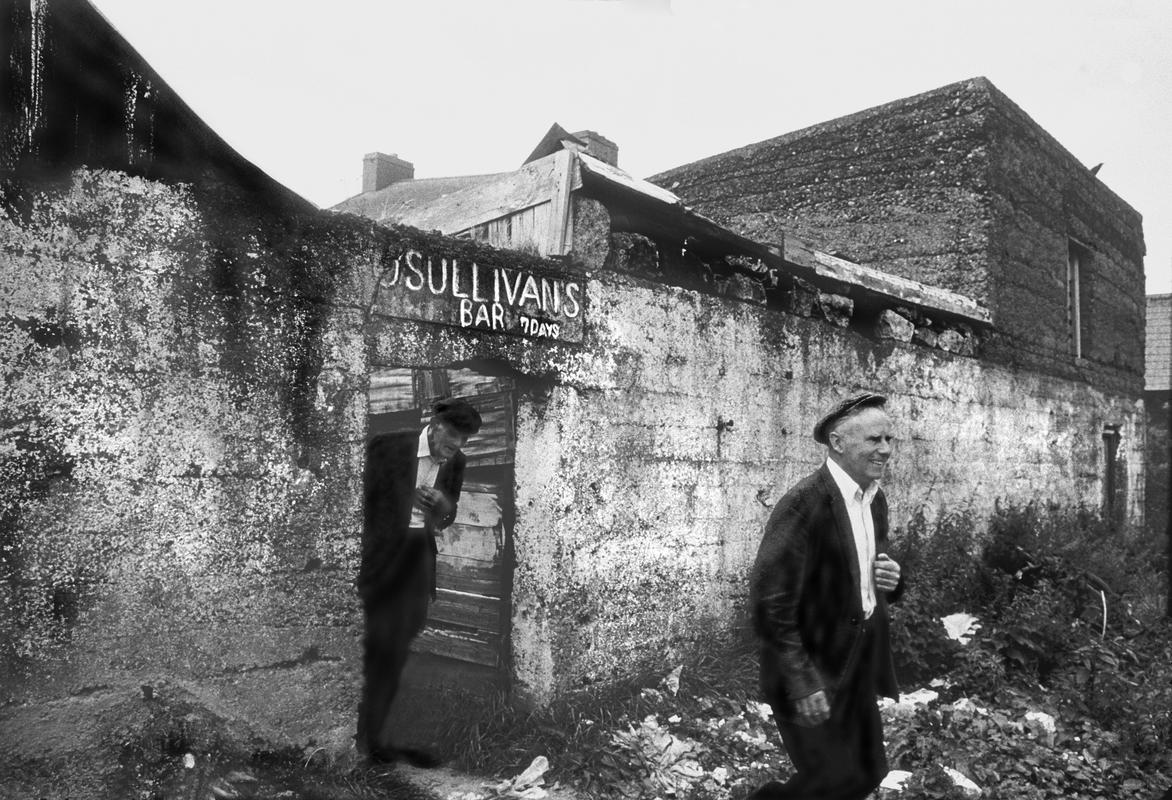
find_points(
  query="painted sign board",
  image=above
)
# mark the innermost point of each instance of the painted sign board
(526, 302)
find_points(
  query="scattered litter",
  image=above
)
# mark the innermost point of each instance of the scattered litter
(671, 681)
(908, 703)
(966, 706)
(760, 710)
(1041, 725)
(720, 775)
(532, 774)
(189, 761)
(960, 627)
(921, 697)
(674, 718)
(222, 789)
(527, 785)
(895, 780)
(672, 761)
(969, 788)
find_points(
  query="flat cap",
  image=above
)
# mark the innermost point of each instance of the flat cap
(460, 414)
(844, 408)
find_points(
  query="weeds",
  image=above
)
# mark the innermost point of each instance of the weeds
(1036, 580)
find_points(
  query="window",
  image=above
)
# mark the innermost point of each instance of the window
(1114, 476)
(1077, 272)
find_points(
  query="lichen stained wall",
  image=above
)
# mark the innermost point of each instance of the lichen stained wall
(180, 449)
(648, 457)
(902, 187)
(958, 188)
(1042, 202)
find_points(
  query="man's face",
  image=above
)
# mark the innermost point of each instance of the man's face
(444, 440)
(861, 444)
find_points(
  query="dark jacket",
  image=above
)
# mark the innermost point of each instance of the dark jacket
(391, 557)
(804, 594)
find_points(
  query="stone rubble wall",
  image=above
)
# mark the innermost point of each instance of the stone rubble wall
(184, 411)
(648, 458)
(957, 188)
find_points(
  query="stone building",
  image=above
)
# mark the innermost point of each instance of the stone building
(1158, 406)
(195, 358)
(957, 188)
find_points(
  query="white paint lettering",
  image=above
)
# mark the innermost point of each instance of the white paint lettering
(482, 316)
(465, 313)
(476, 284)
(511, 291)
(414, 265)
(551, 295)
(572, 300)
(530, 291)
(456, 280)
(443, 276)
(498, 316)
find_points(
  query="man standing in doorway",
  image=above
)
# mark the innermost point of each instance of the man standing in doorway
(819, 592)
(411, 487)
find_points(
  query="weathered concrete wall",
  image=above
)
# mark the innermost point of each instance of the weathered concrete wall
(901, 187)
(182, 427)
(649, 457)
(184, 411)
(1158, 455)
(958, 188)
(186, 396)
(1042, 197)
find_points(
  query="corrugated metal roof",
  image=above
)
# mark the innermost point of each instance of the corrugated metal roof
(623, 178)
(1158, 344)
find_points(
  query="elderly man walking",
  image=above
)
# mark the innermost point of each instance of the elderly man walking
(819, 593)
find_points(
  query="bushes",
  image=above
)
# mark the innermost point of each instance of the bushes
(1038, 581)
(942, 578)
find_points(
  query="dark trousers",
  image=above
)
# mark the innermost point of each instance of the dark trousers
(843, 758)
(392, 622)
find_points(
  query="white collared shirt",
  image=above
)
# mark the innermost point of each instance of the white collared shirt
(428, 469)
(858, 509)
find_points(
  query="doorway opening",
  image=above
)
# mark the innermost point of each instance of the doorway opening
(464, 648)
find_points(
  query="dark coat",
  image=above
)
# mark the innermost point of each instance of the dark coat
(804, 594)
(392, 559)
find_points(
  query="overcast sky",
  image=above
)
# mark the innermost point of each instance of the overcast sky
(304, 89)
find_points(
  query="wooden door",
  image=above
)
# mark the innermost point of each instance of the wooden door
(469, 619)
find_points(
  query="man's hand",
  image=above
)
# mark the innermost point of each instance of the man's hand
(813, 709)
(886, 573)
(433, 500)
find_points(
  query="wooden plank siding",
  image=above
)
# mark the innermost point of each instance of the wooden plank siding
(468, 620)
(532, 184)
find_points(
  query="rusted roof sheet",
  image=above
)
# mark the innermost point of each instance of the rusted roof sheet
(616, 175)
(909, 291)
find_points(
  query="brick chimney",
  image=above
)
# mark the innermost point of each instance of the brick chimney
(380, 170)
(600, 147)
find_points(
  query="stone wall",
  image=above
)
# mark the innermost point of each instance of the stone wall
(1041, 199)
(1158, 459)
(957, 188)
(182, 428)
(186, 348)
(185, 413)
(649, 457)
